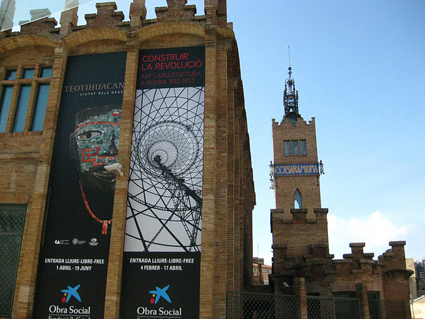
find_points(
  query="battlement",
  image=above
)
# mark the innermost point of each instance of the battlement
(360, 262)
(299, 216)
(177, 10)
(107, 16)
(42, 27)
(357, 262)
(295, 235)
(394, 258)
(289, 123)
(318, 260)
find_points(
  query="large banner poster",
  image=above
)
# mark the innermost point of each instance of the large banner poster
(72, 271)
(161, 271)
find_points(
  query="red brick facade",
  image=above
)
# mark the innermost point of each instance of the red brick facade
(228, 190)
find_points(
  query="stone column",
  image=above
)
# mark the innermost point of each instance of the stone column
(209, 184)
(25, 288)
(116, 250)
(361, 293)
(300, 292)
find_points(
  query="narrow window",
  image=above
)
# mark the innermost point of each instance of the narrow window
(287, 147)
(5, 106)
(12, 219)
(303, 147)
(295, 147)
(40, 107)
(22, 108)
(374, 304)
(46, 72)
(10, 75)
(28, 73)
(298, 200)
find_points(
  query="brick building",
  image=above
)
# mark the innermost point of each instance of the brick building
(420, 277)
(260, 272)
(86, 133)
(302, 264)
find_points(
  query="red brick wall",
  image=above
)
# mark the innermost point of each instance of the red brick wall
(228, 192)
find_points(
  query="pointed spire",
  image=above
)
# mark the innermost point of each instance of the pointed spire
(290, 95)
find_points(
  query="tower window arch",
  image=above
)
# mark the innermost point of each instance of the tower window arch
(298, 199)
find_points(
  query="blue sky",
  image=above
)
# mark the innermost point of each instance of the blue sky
(359, 67)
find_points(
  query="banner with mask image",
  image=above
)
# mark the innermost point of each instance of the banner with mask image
(72, 271)
(162, 252)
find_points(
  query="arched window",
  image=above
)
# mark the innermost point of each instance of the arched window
(298, 200)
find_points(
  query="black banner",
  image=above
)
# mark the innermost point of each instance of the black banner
(162, 252)
(72, 270)
(162, 285)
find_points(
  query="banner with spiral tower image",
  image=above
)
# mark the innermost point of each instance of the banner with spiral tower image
(162, 252)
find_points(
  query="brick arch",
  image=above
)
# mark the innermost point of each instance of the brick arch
(10, 44)
(88, 35)
(159, 29)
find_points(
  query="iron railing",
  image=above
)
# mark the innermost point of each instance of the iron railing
(12, 218)
(245, 305)
(333, 308)
(375, 309)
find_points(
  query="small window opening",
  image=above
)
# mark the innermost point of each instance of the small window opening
(287, 147)
(294, 147)
(298, 200)
(303, 147)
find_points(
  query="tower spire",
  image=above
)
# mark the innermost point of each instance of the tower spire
(290, 95)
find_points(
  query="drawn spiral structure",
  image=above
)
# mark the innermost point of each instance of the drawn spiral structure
(165, 183)
(173, 142)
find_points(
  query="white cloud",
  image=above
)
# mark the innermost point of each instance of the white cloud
(376, 231)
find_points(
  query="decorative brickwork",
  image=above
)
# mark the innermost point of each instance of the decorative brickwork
(106, 17)
(41, 27)
(177, 10)
(286, 186)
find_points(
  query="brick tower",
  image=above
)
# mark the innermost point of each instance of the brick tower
(299, 224)
(295, 156)
(168, 87)
(302, 265)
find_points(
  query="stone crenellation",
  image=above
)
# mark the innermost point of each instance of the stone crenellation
(107, 16)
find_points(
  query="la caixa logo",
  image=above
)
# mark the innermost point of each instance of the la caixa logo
(159, 299)
(71, 298)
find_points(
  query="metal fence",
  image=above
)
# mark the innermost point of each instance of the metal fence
(245, 305)
(333, 308)
(375, 309)
(12, 218)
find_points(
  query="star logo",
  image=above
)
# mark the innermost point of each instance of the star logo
(68, 293)
(158, 293)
